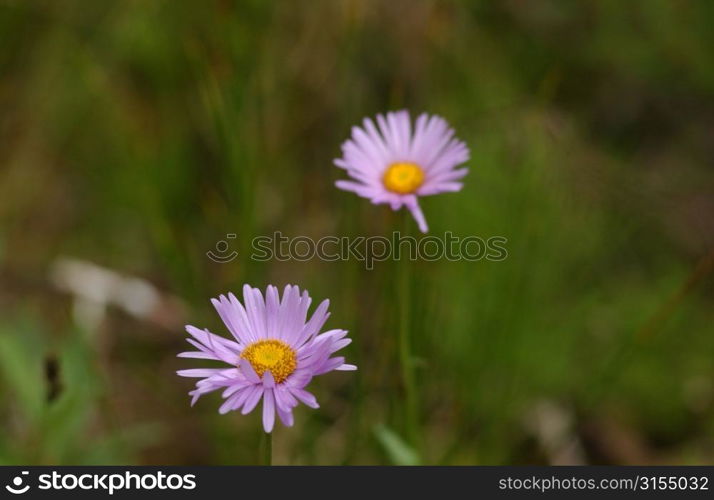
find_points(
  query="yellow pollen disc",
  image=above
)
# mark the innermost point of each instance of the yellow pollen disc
(403, 178)
(273, 355)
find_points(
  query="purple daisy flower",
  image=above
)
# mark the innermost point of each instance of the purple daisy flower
(394, 165)
(274, 353)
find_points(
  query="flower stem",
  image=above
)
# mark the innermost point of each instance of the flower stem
(411, 407)
(266, 449)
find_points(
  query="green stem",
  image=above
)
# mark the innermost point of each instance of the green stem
(411, 407)
(266, 449)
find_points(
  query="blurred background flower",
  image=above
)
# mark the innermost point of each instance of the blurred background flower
(135, 135)
(395, 165)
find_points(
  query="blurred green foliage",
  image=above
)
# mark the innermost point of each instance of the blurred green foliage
(137, 134)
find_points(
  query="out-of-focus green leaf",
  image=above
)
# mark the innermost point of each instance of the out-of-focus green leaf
(398, 451)
(21, 370)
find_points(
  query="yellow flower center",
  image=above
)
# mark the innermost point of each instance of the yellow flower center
(273, 355)
(403, 178)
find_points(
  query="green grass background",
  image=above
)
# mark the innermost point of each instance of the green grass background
(136, 134)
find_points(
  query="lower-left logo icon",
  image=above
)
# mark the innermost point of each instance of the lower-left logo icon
(16, 486)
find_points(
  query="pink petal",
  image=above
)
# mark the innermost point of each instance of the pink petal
(268, 411)
(415, 209)
(248, 372)
(253, 399)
